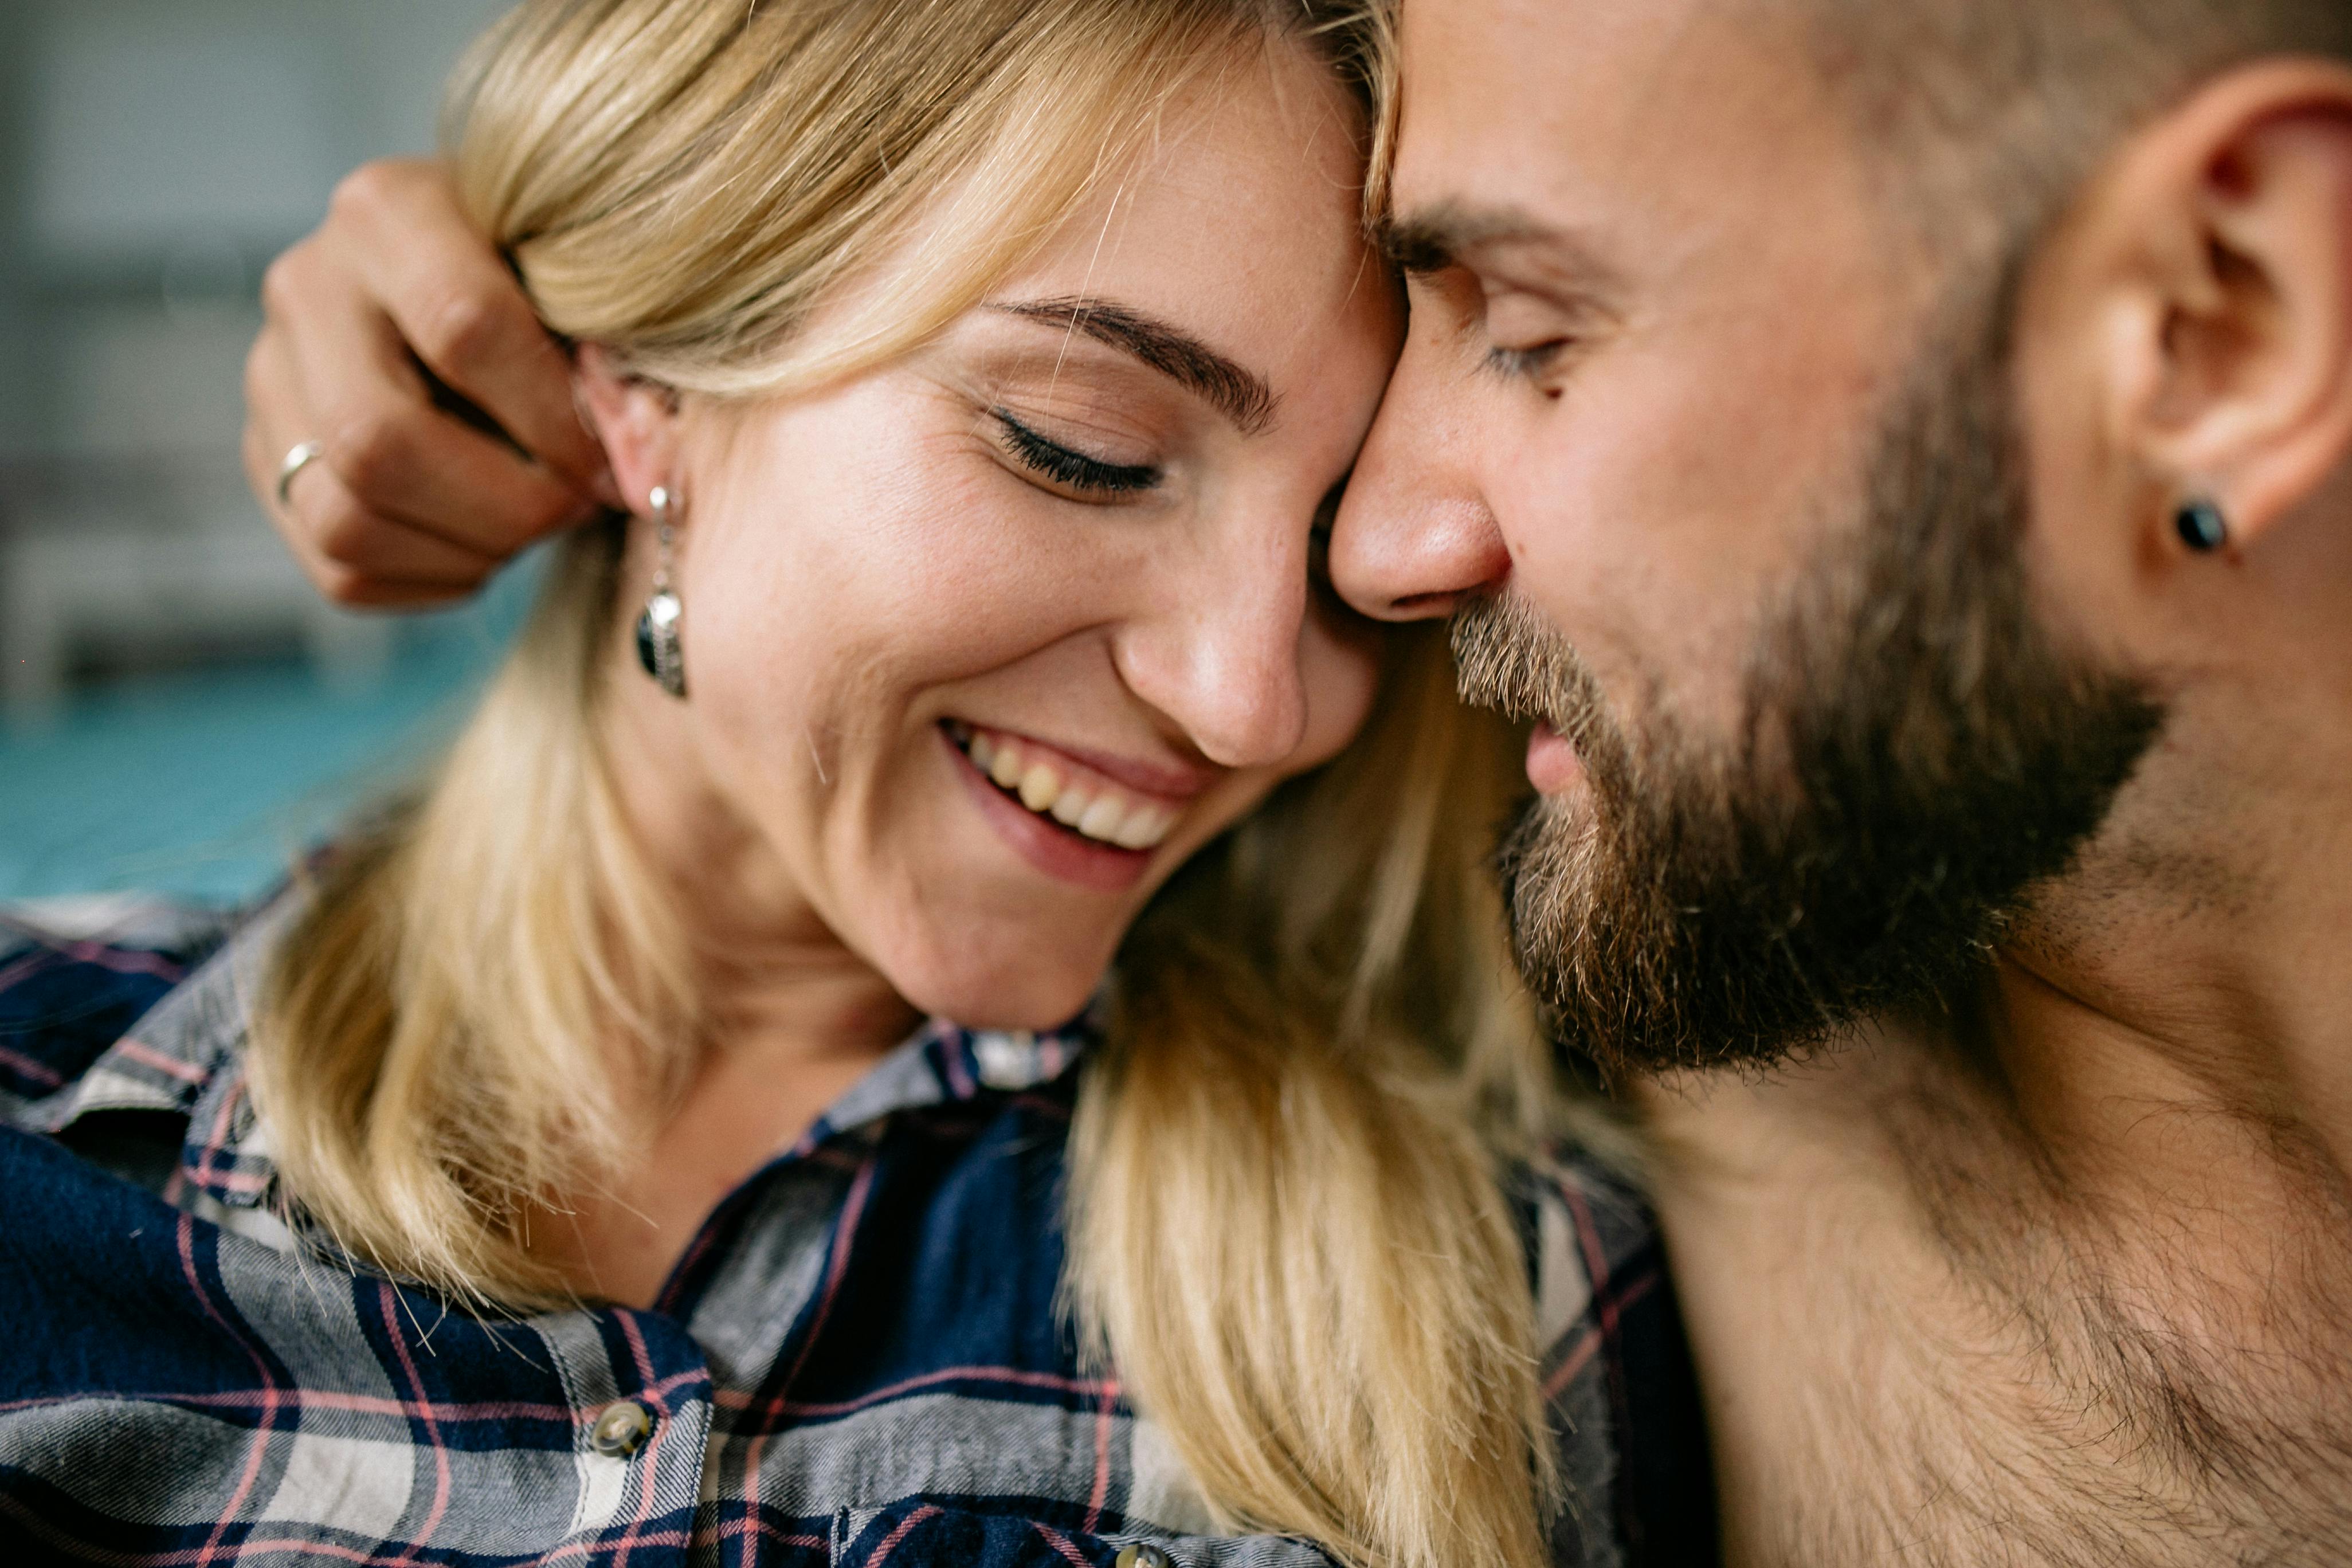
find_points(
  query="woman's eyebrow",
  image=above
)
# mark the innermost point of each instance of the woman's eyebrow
(1241, 394)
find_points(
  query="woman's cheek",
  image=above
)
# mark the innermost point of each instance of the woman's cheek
(1341, 671)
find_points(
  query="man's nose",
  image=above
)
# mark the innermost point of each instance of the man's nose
(1414, 537)
(1217, 652)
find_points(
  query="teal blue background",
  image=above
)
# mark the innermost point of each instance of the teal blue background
(206, 785)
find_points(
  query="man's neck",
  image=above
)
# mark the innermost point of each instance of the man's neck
(2039, 1285)
(2134, 1037)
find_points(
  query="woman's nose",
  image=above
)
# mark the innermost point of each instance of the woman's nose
(1414, 537)
(1214, 648)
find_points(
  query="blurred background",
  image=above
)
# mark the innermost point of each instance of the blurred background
(178, 712)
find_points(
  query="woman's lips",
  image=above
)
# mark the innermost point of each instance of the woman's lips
(1053, 783)
(1060, 849)
(1553, 766)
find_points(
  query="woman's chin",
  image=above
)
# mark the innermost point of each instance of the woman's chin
(1015, 992)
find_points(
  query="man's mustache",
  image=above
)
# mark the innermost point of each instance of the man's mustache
(1508, 658)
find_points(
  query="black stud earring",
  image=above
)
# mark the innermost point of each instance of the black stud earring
(659, 648)
(2202, 526)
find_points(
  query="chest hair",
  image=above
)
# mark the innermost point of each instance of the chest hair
(1934, 1349)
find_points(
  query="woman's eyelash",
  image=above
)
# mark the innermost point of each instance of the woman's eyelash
(1074, 469)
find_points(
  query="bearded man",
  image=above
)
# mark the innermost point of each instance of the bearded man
(1901, 454)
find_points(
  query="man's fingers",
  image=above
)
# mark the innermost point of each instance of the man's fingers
(463, 315)
(348, 535)
(388, 446)
(355, 555)
(407, 460)
(409, 503)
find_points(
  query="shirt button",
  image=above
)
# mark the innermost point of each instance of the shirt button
(622, 1430)
(1142, 1557)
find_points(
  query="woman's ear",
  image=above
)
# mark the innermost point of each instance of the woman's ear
(635, 420)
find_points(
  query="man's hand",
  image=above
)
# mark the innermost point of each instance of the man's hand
(409, 503)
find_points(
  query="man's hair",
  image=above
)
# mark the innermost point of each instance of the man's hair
(1990, 113)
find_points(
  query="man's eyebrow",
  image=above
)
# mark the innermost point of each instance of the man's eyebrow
(1241, 394)
(1438, 237)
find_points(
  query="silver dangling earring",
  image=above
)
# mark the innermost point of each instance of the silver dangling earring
(658, 647)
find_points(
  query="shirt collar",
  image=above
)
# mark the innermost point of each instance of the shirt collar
(186, 1057)
(943, 1063)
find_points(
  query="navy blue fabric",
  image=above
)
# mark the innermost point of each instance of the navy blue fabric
(1665, 1495)
(63, 1003)
(860, 1360)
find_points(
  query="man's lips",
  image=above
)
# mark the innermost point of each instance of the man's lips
(1553, 766)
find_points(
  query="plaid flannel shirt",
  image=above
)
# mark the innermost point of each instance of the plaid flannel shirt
(858, 1360)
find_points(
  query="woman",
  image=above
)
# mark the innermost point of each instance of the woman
(581, 1163)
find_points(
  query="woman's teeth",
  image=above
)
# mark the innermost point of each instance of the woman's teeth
(1095, 808)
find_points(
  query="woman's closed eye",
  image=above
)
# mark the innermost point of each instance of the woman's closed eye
(1070, 471)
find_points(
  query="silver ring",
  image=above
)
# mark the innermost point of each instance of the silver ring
(299, 458)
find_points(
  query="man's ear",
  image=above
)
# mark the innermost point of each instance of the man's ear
(2233, 377)
(635, 420)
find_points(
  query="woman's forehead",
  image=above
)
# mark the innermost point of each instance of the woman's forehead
(1241, 222)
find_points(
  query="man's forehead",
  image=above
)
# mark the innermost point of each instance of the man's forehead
(1498, 93)
(1523, 119)
(1542, 60)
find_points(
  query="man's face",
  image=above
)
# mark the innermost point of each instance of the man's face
(1718, 472)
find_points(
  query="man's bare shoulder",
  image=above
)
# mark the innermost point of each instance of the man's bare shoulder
(1920, 1344)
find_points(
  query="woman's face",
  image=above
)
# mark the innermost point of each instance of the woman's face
(981, 646)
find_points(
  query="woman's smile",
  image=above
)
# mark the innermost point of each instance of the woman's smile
(1069, 816)
(1071, 535)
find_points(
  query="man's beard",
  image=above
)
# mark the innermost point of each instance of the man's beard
(1916, 753)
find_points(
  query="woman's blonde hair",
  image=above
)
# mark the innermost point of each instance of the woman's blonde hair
(1287, 1230)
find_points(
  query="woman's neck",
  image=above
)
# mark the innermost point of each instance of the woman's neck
(772, 975)
(789, 1018)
